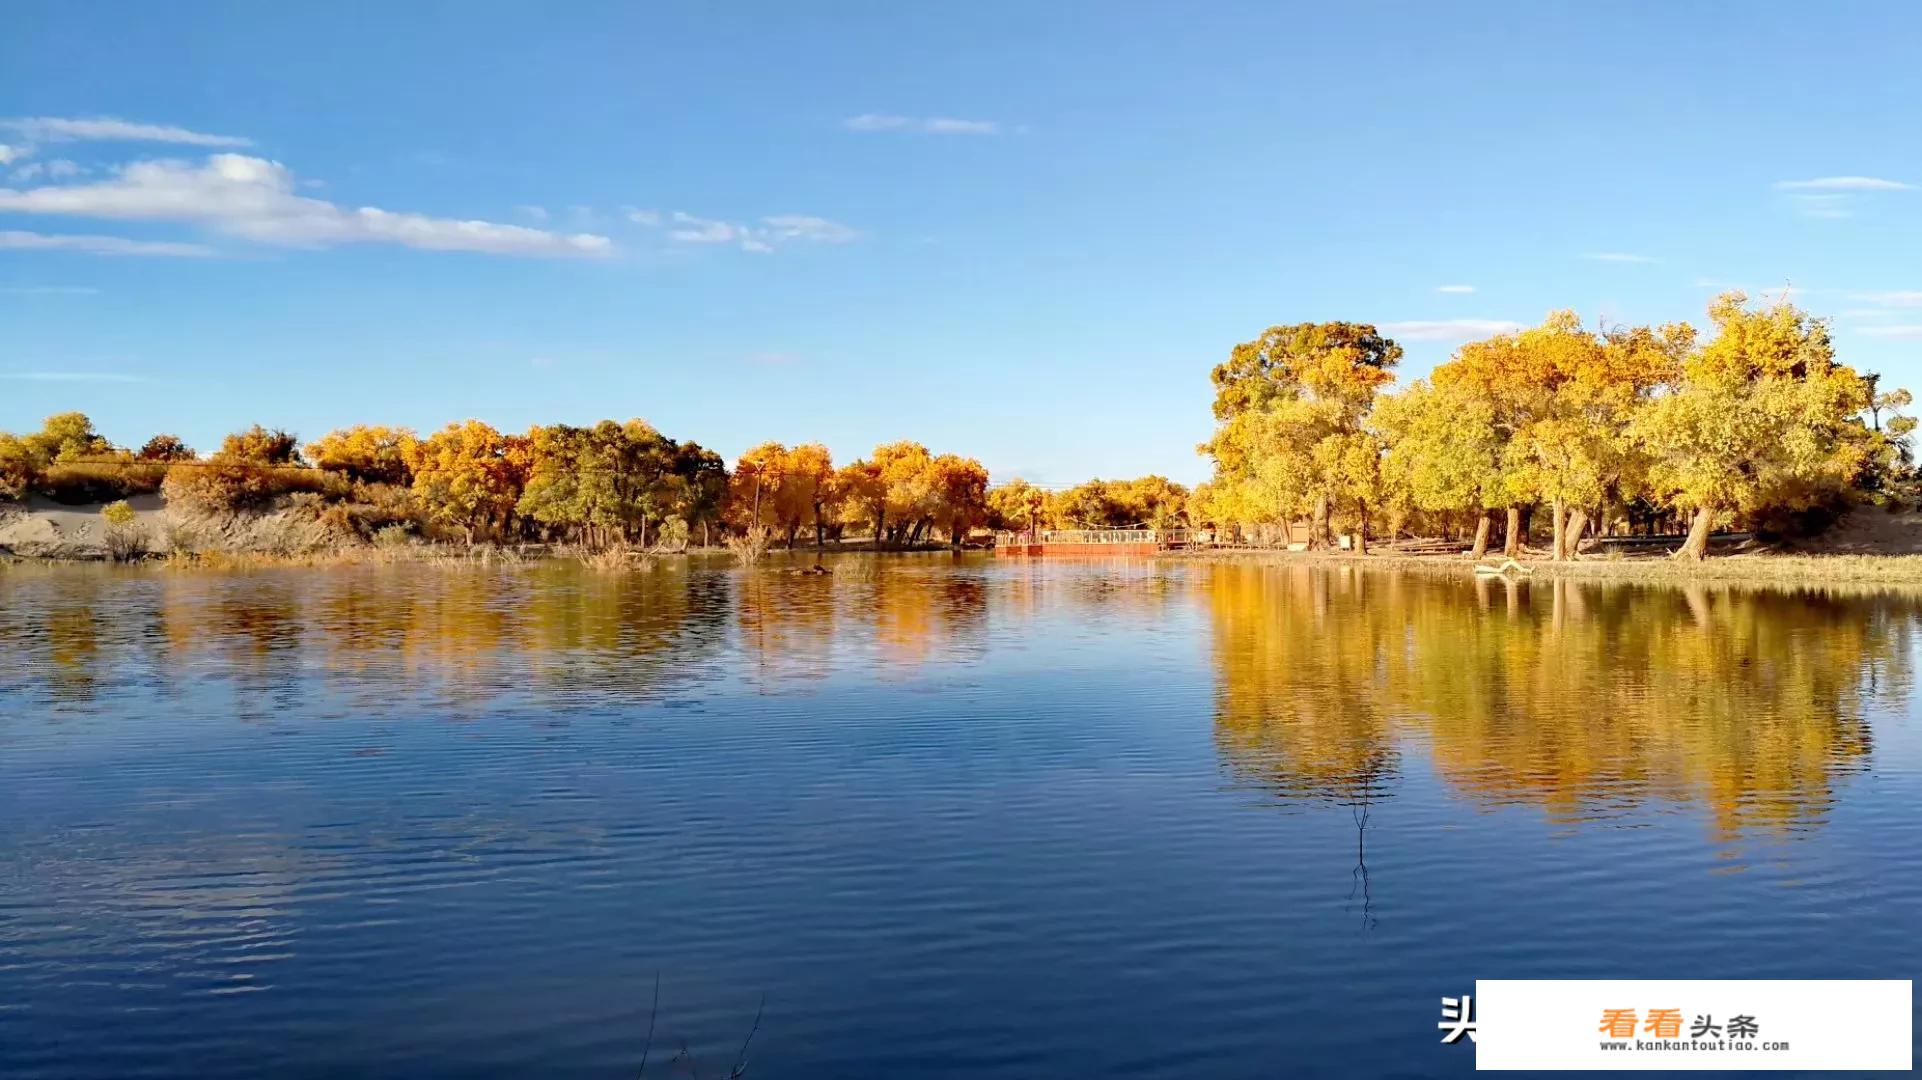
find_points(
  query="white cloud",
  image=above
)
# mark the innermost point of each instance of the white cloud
(1618, 257)
(108, 129)
(649, 218)
(16, 240)
(922, 125)
(70, 376)
(813, 229)
(1843, 183)
(8, 154)
(760, 238)
(254, 198)
(1462, 290)
(1906, 330)
(1448, 329)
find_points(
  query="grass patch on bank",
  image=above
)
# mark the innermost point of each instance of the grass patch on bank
(1766, 567)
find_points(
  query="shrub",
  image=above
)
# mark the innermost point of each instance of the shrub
(166, 448)
(673, 535)
(20, 465)
(750, 544)
(80, 482)
(609, 560)
(181, 537)
(226, 485)
(261, 447)
(126, 537)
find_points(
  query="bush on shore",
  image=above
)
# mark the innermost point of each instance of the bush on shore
(126, 538)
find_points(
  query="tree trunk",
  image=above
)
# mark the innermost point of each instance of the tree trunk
(1572, 536)
(1559, 532)
(1318, 526)
(1482, 527)
(1695, 548)
(1361, 531)
(1512, 539)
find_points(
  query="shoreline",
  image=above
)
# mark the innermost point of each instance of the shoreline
(1766, 568)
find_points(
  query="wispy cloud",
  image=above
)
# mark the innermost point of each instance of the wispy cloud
(1461, 290)
(253, 198)
(41, 129)
(921, 125)
(1904, 330)
(17, 240)
(761, 237)
(1448, 329)
(57, 169)
(9, 153)
(1899, 298)
(1618, 257)
(649, 218)
(1843, 183)
(1833, 197)
(71, 376)
(533, 213)
(48, 290)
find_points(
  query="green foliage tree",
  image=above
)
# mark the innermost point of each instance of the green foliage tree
(1763, 416)
(1290, 406)
(606, 483)
(166, 448)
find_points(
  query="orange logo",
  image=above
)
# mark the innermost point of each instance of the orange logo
(1661, 1023)
(1618, 1023)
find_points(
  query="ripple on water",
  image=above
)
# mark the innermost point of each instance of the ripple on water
(951, 817)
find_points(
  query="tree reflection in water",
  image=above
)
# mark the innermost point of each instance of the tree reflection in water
(1581, 699)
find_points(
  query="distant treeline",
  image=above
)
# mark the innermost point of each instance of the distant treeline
(611, 483)
(606, 484)
(1618, 428)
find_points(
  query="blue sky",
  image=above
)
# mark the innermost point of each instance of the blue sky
(1022, 232)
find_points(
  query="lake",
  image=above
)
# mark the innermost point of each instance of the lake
(931, 816)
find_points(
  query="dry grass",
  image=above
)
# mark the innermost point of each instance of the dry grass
(480, 555)
(1767, 567)
(750, 546)
(82, 482)
(616, 559)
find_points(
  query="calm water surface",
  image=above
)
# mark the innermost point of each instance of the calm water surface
(949, 818)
